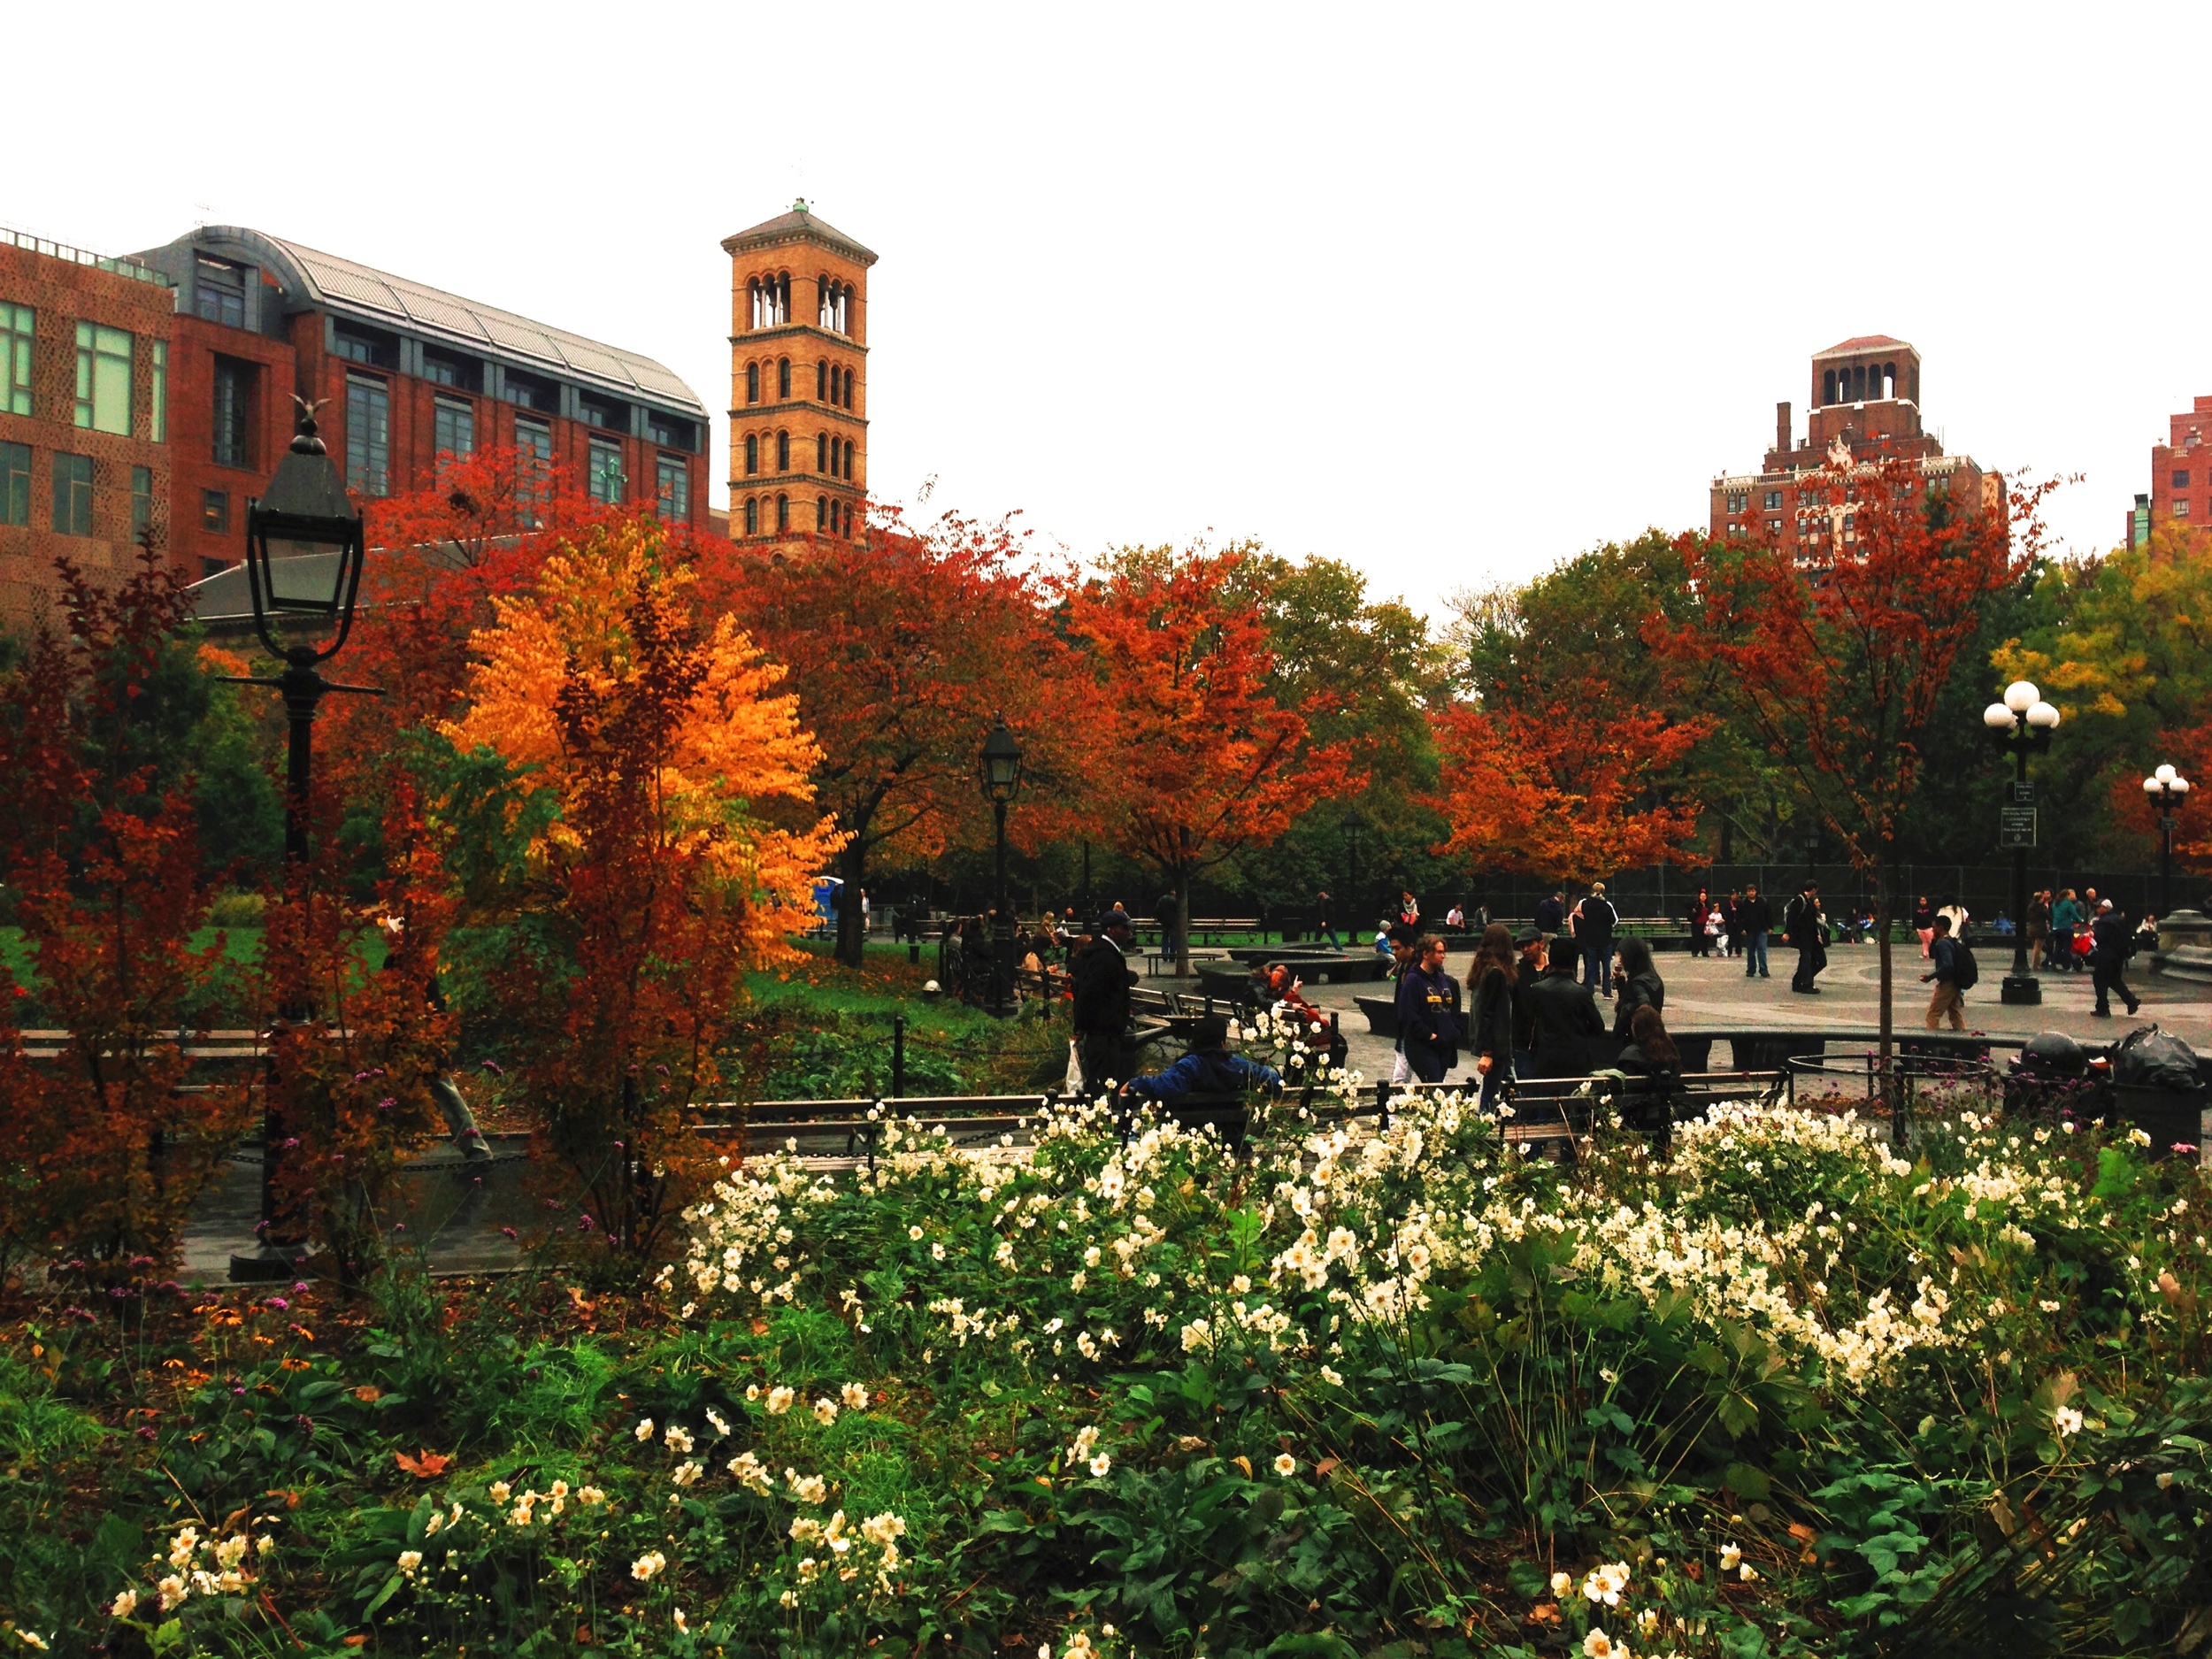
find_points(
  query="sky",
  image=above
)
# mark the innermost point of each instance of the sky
(1449, 293)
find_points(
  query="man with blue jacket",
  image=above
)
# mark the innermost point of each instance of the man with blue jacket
(1208, 1069)
(1428, 1013)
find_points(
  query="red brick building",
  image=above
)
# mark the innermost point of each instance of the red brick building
(1865, 398)
(84, 465)
(2181, 477)
(798, 377)
(407, 373)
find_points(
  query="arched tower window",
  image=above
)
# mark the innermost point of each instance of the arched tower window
(783, 378)
(1827, 386)
(752, 453)
(752, 515)
(1889, 380)
(821, 512)
(835, 314)
(821, 452)
(752, 382)
(771, 299)
(849, 388)
(783, 452)
(849, 458)
(783, 512)
(821, 381)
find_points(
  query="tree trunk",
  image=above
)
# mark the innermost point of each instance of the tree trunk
(1894, 1096)
(1182, 924)
(852, 937)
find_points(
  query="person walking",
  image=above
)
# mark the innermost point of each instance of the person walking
(1564, 1018)
(1731, 932)
(2040, 927)
(1102, 978)
(1806, 926)
(1490, 1029)
(1755, 920)
(1428, 1014)
(1699, 943)
(2114, 940)
(1326, 911)
(1924, 924)
(1950, 996)
(2066, 919)
(1956, 911)
(1594, 920)
(1640, 985)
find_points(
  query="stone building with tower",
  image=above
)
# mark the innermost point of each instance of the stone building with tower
(798, 379)
(1865, 408)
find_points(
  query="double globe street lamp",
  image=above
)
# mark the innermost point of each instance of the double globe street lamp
(1000, 767)
(2022, 723)
(2169, 789)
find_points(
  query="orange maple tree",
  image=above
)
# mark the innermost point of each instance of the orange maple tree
(1836, 661)
(664, 779)
(902, 648)
(1191, 760)
(1564, 784)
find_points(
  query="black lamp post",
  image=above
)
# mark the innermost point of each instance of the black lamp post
(303, 556)
(2022, 723)
(1350, 826)
(1000, 770)
(2170, 790)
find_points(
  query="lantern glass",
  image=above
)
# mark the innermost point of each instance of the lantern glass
(2164, 774)
(2179, 786)
(2021, 695)
(2151, 785)
(1997, 717)
(2043, 715)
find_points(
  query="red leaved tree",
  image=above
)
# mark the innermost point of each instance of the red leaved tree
(902, 648)
(1191, 759)
(1564, 784)
(99, 846)
(1837, 665)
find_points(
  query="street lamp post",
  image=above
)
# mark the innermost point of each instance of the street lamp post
(303, 556)
(2170, 790)
(2022, 723)
(1352, 924)
(1001, 769)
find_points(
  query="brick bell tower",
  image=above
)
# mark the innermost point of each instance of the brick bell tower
(798, 379)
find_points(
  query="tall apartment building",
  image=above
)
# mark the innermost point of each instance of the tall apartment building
(1865, 408)
(2181, 477)
(798, 377)
(84, 396)
(407, 374)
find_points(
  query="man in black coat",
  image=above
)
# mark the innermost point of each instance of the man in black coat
(1755, 920)
(1805, 924)
(1428, 1013)
(2111, 941)
(1551, 914)
(1563, 1016)
(1100, 978)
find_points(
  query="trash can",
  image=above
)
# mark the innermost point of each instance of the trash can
(2158, 1086)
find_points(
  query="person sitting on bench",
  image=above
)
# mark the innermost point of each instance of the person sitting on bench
(1208, 1069)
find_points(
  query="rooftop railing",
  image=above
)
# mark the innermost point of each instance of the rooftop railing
(130, 268)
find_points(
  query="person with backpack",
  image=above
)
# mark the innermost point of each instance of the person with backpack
(1208, 1068)
(1954, 973)
(1428, 1013)
(1594, 920)
(2113, 942)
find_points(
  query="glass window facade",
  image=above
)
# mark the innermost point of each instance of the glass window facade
(17, 324)
(604, 481)
(672, 488)
(15, 483)
(234, 383)
(73, 495)
(103, 378)
(368, 435)
(456, 424)
(141, 500)
(160, 414)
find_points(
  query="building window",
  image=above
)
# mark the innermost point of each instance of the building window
(821, 512)
(752, 382)
(233, 386)
(141, 501)
(456, 427)
(783, 452)
(783, 379)
(213, 567)
(1738, 499)
(783, 513)
(218, 291)
(846, 400)
(461, 376)
(771, 299)
(836, 305)
(671, 431)
(597, 414)
(17, 324)
(2181, 507)
(356, 346)
(1774, 500)
(15, 483)
(526, 394)
(821, 382)
(604, 481)
(534, 439)
(103, 378)
(821, 452)
(672, 488)
(215, 511)
(160, 420)
(752, 516)
(752, 454)
(368, 436)
(73, 495)
(2181, 478)
(847, 471)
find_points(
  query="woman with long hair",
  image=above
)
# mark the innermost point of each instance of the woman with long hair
(1641, 985)
(1491, 1030)
(1652, 1056)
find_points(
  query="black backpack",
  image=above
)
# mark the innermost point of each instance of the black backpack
(1969, 972)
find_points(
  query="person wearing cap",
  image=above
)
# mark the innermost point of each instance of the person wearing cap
(2112, 939)
(1100, 978)
(1208, 1068)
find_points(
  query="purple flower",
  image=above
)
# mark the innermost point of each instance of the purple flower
(238, 1391)
(302, 1285)
(277, 1303)
(146, 1433)
(494, 1067)
(386, 1104)
(399, 1226)
(509, 1232)
(360, 1077)
(290, 1143)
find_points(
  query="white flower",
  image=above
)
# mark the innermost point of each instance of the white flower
(590, 1495)
(810, 1488)
(721, 1428)
(2066, 1420)
(648, 1564)
(1748, 1573)
(937, 1251)
(1561, 1582)
(498, 1490)
(31, 1638)
(825, 1410)
(1598, 1645)
(780, 1401)
(125, 1605)
(683, 1624)
(913, 1232)
(855, 1395)
(409, 1560)
(676, 1439)
(1329, 1375)
(1100, 1463)
(1286, 1465)
(172, 1591)
(1730, 1555)
(687, 1472)
(644, 1432)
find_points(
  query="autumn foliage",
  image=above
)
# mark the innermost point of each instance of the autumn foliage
(665, 783)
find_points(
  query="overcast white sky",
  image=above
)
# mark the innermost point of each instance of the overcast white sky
(1449, 292)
